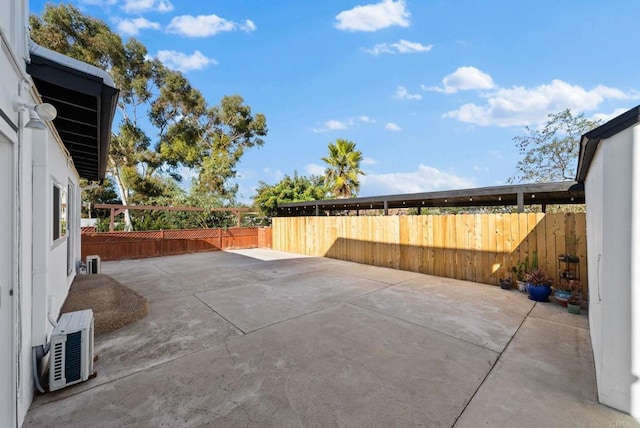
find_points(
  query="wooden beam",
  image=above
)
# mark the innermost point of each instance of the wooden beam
(117, 209)
(122, 208)
(520, 199)
(112, 220)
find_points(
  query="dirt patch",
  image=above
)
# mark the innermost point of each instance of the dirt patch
(114, 305)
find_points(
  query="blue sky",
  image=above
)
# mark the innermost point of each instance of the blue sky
(432, 92)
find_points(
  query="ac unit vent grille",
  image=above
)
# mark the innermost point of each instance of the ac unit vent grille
(58, 350)
(73, 357)
(72, 349)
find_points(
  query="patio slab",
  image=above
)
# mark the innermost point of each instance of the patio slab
(258, 305)
(172, 329)
(343, 366)
(329, 343)
(547, 375)
(485, 316)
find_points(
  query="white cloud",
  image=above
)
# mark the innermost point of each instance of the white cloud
(605, 117)
(314, 169)
(373, 17)
(403, 46)
(403, 94)
(331, 125)
(463, 79)
(132, 27)
(424, 179)
(368, 161)
(139, 6)
(273, 176)
(477, 168)
(334, 125)
(99, 2)
(248, 26)
(205, 25)
(183, 62)
(526, 106)
(380, 48)
(392, 127)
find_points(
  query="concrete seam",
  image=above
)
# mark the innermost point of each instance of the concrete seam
(493, 366)
(559, 323)
(374, 280)
(332, 305)
(371, 292)
(422, 326)
(160, 269)
(219, 314)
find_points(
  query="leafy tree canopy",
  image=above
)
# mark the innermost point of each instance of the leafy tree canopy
(551, 153)
(165, 123)
(290, 189)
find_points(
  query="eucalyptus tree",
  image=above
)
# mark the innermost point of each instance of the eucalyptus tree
(164, 122)
(343, 169)
(214, 145)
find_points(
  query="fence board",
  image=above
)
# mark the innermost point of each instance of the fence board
(498, 266)
(478, 247)
(581, 251)
(135, 245)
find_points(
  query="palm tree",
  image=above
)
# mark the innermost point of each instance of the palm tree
(341, 175)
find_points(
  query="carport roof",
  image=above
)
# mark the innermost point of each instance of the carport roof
(85, 98)
(566, 192)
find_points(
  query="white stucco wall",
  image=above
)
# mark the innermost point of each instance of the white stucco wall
(50, 279)
(39, 280)
(634, 265)
(609, 196)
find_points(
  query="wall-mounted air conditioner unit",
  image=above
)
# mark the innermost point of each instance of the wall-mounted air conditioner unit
(93, 265)
(71, 358)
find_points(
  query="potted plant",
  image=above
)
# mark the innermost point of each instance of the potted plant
(561, 296)
(506, 283)
(575, 299)
(568, 273)
(520, 271)
(539, 285)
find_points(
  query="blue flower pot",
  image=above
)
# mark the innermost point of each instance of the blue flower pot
(562, 297)
(539, 293)
(561, 294)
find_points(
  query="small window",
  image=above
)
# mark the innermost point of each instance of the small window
(59, 212)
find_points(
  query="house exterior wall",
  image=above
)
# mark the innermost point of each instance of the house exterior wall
(613, 296)
(34, 278)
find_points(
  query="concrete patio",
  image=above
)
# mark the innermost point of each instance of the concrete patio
(263, 338)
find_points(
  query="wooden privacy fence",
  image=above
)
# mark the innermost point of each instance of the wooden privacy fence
(135, 245)
(473, 247)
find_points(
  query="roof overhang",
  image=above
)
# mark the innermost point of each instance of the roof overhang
(85, 97)
(565, 192)
(590, 141)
